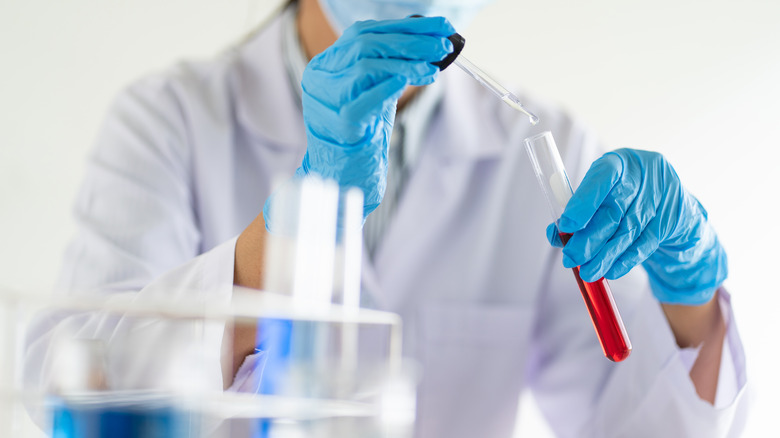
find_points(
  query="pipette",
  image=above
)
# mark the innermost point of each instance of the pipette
(458, 42)
(497, 89)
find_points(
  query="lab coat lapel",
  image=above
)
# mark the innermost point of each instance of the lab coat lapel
(428, 213)
(267, 110)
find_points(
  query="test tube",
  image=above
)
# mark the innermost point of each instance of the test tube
(598, 298)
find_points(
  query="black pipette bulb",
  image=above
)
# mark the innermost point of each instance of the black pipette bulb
(458, 42)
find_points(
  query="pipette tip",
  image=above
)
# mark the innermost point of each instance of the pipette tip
(499, 90)
(514, 102)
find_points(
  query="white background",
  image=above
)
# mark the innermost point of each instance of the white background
(698, 81)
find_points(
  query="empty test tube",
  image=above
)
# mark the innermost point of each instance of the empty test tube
(598, 298)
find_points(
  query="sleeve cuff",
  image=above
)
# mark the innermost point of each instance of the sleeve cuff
(175, 344)
(731, 377)
(250, 374)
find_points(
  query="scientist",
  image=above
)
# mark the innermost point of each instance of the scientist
(453, 232)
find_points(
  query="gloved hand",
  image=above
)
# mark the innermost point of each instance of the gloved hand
(631, 208)
(349, 99)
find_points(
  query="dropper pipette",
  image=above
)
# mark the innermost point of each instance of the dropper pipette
(458, 42)
(497, 89)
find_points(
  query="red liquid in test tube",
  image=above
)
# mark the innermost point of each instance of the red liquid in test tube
(551, 174)
(604, 314)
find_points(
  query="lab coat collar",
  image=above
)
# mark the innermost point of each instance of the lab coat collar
(295, 59)
(267, 110)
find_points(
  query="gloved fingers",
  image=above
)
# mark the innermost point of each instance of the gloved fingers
(643, 247)
(433, 26)
(351, 123)
(553, 237)
(328, 125)
(383, 94)
(334, 89)
(373, 71)
(615, 247)
(632, 225)
(602, 176)
(383, 46)
(586, 243)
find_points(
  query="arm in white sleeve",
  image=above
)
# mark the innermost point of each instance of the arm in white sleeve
(138, 233)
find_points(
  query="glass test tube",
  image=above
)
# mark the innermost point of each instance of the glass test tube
(598, 298)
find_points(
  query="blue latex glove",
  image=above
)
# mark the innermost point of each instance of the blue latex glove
(631, 208)
(349, 99)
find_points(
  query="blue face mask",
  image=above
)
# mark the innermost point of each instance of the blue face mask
(342, 13)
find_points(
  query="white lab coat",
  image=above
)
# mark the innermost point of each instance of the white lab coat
(185, 161)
